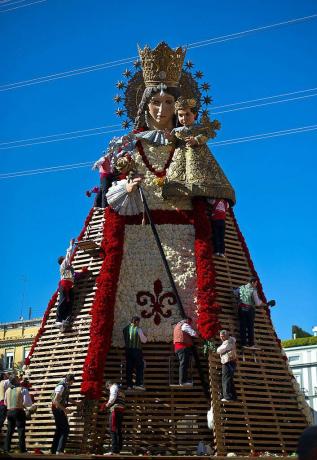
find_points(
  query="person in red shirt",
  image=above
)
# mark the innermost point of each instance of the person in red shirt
(219, 210)
(182, 339)
(106, 178)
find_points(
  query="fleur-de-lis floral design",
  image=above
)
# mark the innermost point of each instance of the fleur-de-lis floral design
(156, 302)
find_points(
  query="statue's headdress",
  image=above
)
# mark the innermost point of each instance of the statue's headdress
(182, 103)
(161, 65)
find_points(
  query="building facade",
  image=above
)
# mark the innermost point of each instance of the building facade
(303, 362)
(15, 342)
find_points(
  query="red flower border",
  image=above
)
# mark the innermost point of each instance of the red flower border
(103, 306)
(52, 302)
(208, 310)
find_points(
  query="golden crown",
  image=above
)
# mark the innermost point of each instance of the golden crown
(161, 65)
(183, 103)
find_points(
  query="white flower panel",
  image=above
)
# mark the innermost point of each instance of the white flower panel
(142, 266)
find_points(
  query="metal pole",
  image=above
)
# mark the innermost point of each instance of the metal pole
(174, 288)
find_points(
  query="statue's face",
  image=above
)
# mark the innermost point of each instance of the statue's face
(161, 109)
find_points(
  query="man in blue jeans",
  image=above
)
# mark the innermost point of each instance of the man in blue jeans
(60, 400)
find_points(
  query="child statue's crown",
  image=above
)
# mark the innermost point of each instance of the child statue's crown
(162, 65)
(182, 103)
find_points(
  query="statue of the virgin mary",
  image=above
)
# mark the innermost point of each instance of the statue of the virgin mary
(133, 279)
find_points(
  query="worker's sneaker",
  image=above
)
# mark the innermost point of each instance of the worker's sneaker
(187, 384)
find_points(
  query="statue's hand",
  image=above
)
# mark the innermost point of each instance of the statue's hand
(190, 141)
(131, 186)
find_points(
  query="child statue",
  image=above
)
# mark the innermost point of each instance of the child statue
(192, 158)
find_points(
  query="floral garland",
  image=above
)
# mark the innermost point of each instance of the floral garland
(159, 174)
(103, 306)
(53, 300)
(208, 310)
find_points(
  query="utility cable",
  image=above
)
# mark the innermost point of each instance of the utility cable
(62, 136)
(236, 35)
(45, 170)
(260, 136)
(264, 98)
(106, 65)
(22, 6)
(6, 4)
(255, 137)
(264, 104)
(69, 73)
(58, 140)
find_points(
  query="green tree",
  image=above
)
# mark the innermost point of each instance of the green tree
(298, 332)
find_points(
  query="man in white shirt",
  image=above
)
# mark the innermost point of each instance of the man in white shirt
(228, 357)
(60, 400)
(16, 399)
(116, 405)
(3, 408)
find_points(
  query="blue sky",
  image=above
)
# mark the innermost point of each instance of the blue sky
(274, 178)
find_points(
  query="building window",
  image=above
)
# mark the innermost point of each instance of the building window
(26, 351)
(293, 358)
(9, 360)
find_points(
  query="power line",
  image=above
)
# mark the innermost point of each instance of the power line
(106, 65)
(69, 73)
(31, 172)
(264, 98)
(255, 137)
(6, 4)
(10, 2)
(247, 32)
(60, 134)
(264, 104)
(22, 6)
(64, 136)
(61, 139)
